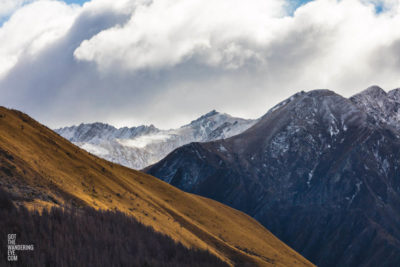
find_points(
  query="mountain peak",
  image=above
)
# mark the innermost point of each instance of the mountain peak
(97, 125)
(205, 116)
(211, 113)
(374, 92)
(320, 92)
(394, 94)
(140, 146)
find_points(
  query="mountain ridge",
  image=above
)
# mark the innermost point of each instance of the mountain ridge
(138, 147)
(382, 107)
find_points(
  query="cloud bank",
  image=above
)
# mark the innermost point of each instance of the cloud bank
(9, 6)
(168, 61)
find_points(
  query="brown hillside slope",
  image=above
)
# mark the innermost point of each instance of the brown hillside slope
(43, 169)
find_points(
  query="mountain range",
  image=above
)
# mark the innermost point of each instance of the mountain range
(138, 147)
(320, 171)
(40, 171)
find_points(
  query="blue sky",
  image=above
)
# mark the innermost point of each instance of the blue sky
(296, 3)
(80, 2)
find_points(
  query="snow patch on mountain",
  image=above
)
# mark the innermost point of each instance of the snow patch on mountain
(144, 140)
(94, 149)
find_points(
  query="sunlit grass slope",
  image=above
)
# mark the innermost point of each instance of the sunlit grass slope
(43, 169)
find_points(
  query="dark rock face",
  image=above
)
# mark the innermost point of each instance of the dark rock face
(383, 108)
(320, 171)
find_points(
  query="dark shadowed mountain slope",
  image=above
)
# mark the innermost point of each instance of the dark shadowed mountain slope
(87, 237)
(317, 170)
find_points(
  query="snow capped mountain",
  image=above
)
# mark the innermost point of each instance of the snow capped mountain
(138, 147)
(96, 132)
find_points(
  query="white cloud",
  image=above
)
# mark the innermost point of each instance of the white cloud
(164, 61)
(227, 34)
(9, 6)
(32, 28)
(167, 32)
(39, 25)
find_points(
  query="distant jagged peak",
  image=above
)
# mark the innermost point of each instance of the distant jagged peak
(205, 116)
(98, 125)
(140, 127)
(211, 113)
(91, 125)
(102, 126)
(93, 132)
(215, 116)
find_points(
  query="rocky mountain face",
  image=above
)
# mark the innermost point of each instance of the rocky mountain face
(382, 107)
(138, 147)
(320, 171)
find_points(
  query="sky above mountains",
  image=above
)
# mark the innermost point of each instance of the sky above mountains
(165, 62)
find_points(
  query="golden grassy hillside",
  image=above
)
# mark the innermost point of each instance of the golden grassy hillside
(43, 169)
